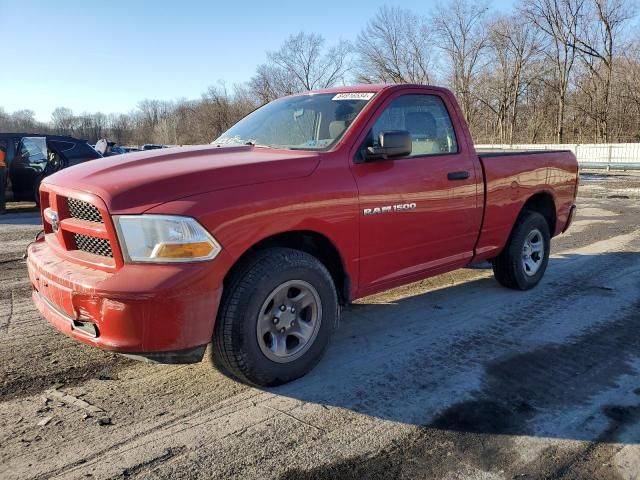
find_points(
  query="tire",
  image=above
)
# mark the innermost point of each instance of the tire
(524, 259)
(260, 337)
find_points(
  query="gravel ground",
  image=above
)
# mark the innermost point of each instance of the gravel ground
(452, 377)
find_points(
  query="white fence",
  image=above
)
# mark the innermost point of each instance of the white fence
(596, 155)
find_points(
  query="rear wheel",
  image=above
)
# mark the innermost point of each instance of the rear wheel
(276, 317)
(524, 259)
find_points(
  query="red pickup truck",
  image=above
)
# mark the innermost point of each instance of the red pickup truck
(252, 243)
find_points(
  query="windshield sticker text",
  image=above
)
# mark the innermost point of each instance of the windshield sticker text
(353, 96)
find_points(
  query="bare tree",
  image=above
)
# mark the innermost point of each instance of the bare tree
(151, 113)
(63, 120)
(463, 38)
(218, 110)
(628, 95)
(552, 70)
(596, 45)
(512, 46)
(271, 82)
(24, 120)
(560, 22)
(301, 64)
(395, 47)
(120, 128)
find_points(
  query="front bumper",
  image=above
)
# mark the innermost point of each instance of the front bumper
(164, 313)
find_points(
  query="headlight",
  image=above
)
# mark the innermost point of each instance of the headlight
(164, 238)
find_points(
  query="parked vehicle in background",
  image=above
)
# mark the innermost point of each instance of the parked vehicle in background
(153, 146)
(309, 202)
(31, 157)
(108, 149)
(117, 150)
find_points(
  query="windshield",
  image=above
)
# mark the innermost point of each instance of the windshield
(305, 122)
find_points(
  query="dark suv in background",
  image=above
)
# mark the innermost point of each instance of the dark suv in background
(31, 157)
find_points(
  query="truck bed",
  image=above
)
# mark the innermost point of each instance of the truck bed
(509, 184)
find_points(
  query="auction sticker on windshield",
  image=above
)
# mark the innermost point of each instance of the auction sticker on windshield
(354, 96)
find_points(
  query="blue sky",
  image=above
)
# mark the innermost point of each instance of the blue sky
(107, 56)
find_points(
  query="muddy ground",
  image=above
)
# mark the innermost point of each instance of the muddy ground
(450, 378)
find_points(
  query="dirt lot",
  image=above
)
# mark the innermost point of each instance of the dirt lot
(449, 378)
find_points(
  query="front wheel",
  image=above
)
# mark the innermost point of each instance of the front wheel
(524, 259)
(276, 317)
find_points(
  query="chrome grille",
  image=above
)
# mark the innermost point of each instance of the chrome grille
(97, 246)
(84, 211)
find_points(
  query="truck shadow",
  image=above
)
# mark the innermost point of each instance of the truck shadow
(559, 361)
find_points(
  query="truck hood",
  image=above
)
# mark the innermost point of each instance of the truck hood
(136, 182)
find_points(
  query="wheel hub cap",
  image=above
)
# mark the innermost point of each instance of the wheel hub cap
(533, 252)
(289, 321)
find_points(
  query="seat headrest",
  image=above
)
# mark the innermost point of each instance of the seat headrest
(421, 123)
(336, 128)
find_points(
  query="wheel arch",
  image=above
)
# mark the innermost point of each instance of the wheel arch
(311, 242)
(543, 203)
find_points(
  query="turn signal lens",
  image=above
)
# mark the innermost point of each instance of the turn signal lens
(186, 250)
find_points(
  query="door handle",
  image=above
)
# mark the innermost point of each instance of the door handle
(463, 175)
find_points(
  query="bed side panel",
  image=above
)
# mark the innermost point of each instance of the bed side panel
(511, 181)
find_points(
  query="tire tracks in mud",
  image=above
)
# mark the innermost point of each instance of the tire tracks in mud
(505, 331)
(71, 375)
(518, 387)
(169, 453)
(557, 295)
(6, 322)
(35, 357)
(478, 431)
(172, 426)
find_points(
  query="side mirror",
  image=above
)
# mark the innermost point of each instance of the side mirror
(392, 144)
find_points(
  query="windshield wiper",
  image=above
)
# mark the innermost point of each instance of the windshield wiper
(254, 144)
(250, 143)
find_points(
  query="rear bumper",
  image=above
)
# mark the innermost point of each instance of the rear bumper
(572, 214)
(165, 313)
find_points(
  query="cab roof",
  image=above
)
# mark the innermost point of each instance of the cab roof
(375, 88)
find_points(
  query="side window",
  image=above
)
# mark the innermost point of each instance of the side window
(33, 149)
(74, 153)
(62, 147)
(426, 118)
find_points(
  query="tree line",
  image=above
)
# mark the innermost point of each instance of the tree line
(548, 71)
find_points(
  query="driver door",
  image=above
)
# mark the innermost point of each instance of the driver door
(419, 214)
